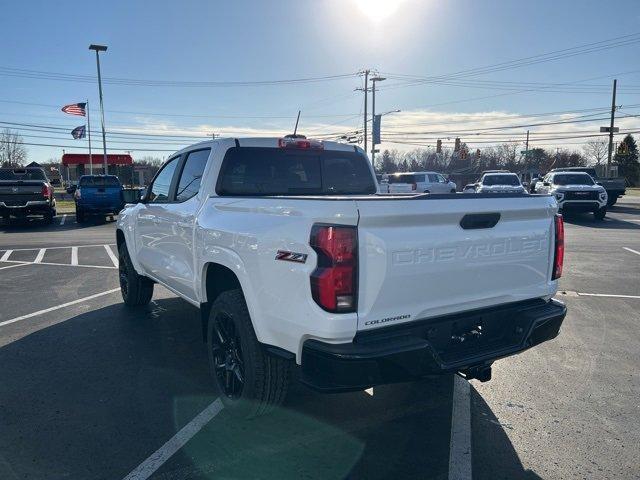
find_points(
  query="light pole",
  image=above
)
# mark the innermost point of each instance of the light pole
(373, 115)
(98, 49)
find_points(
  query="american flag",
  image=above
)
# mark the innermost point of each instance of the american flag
(75, 109)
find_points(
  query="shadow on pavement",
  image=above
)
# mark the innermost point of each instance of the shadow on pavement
(93, 396)
(494, 457)
(37, 225)
(587, 220)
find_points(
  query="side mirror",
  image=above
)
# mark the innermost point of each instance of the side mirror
(599, 183)
(525, 184)
(142, 195)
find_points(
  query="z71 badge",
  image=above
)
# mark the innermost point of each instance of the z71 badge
(291, 256)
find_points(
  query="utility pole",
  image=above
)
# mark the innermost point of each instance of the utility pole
(98, 49)
(366, 90)
(89, 136)
(613, 115)
(373, 116)
(526, 148)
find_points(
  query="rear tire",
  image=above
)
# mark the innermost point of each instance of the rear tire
(600, 213)
(136, 289)
(250, 382)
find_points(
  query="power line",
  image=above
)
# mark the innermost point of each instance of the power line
(186, 115)
(534, 59)
(44, 75)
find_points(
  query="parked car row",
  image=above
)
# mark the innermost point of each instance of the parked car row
(412, 182)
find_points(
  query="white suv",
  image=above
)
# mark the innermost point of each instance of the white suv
(423, 182)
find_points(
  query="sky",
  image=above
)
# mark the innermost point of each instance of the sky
(194, 68)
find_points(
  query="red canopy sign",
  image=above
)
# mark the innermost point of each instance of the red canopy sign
(98, 158)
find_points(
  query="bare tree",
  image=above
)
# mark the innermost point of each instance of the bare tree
(12, 151)
(596, 151)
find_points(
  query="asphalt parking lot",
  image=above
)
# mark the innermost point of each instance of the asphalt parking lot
(91, 390)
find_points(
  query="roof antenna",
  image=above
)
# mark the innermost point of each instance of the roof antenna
(295, 130)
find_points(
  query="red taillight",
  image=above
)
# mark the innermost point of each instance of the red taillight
(301, 143)
(558, 258)
(46, 191)
(414, 186)
(334, 281)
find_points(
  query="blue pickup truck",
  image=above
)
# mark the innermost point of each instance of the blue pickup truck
(98, 195)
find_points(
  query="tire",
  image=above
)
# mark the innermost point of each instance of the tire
(136, 289)
(600, 213)
(250, 382)
(452, 191)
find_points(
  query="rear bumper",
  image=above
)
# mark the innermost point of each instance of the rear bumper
(99, 209)
(32, 207)
(434, 346)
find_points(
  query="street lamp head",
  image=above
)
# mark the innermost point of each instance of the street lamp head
(98, 48)
(378, 79)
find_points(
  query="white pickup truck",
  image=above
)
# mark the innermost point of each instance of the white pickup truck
(298, 263)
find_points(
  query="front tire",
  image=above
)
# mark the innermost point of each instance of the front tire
(250, 382)
(136, 290)
(600, 213)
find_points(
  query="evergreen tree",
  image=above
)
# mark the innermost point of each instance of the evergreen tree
(627, 160)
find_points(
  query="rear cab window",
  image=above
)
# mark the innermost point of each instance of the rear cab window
(100, 181)
(22, 174)
(258, 171)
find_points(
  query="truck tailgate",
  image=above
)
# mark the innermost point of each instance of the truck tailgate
(432, 256)
(18, 193)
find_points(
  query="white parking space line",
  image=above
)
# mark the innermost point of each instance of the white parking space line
(62, 220)
(160, 456)
(113, 258)
(631, 250)
(40, 255)
(21, 264)
(57, 307)
(606, 295)
(460, 443)
(61, 264)
(56, 247)
(74, 255)
(6, 255)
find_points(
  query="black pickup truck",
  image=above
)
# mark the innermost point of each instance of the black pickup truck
(26, 191)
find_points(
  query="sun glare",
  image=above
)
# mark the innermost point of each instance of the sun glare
(378, 10)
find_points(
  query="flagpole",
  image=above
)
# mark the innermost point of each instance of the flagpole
(89, 136)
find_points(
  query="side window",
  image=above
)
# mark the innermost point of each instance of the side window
(419, 178)
(159, 191)
(192, 174)
(441, 179)
(433, 178)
